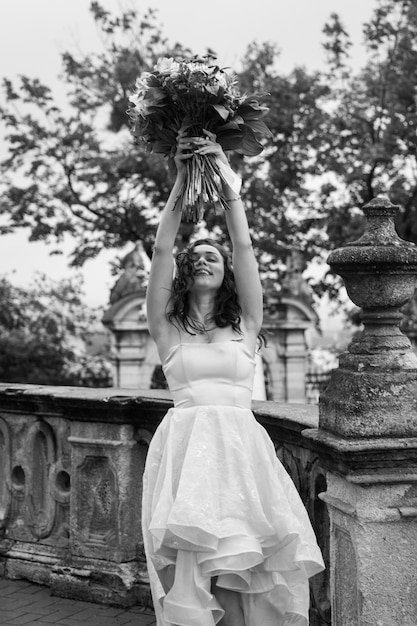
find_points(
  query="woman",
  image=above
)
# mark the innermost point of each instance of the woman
(227, 538)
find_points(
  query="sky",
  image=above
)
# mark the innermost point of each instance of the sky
(34, 33)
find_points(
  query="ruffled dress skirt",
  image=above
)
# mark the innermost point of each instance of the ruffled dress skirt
(220, 509)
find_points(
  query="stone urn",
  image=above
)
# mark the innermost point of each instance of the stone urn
(373, 393)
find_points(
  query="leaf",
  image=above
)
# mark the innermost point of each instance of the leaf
(252, 111)
(260, 128)
(221, 110)
(250, 146)
(167, 135)
(235, 123)
(231, 141)
(187, 123)
(161, 147)
(155, 95)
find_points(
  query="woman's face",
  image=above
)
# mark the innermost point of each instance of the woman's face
(208, 268)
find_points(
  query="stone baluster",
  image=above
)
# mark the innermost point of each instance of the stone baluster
(367, 435)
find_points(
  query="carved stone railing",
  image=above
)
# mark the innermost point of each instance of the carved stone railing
(71, 462)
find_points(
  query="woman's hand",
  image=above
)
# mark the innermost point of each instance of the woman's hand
(231, 182)
(209, 145)
(184, 151)
(187, 147)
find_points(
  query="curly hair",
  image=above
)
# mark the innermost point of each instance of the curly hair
(227, 308)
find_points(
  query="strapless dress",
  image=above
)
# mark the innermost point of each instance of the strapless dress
(217, 502)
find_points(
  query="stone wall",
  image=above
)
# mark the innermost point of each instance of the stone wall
(71, 462)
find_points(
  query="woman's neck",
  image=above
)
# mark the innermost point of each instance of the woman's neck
(201, 308)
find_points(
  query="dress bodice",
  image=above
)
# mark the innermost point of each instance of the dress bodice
(218, 373)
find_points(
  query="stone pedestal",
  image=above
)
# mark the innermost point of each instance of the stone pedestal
(373, 552)
(371, 495)
(367, 436)
(374, 391)
(106, 563)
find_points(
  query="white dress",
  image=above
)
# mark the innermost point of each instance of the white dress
(218, 503)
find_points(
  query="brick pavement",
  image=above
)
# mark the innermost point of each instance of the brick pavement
(24, 603)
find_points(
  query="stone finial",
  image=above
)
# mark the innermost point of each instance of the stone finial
(374, 391)
(293, 282)
(136, 266)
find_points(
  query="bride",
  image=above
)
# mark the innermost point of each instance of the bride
(227, 538)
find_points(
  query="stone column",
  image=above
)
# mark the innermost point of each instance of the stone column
(367, 436)
(129, 351)
(296, 358)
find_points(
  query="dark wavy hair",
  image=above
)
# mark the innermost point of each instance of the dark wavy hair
(227, 307)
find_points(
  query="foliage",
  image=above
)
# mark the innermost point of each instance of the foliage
(373, 128)
(338, 140)
(43, 332)
(285, 210)
(65, 173)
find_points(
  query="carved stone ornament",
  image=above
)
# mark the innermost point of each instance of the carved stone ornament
(374, 390)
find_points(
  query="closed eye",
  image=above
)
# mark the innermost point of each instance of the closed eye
(209, 258)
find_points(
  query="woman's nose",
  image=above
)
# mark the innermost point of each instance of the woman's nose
(200, 261)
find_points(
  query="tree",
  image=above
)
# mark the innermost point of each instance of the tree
(65, 172)
(285, 210)
(373, 127)
(43, 335)
(338, 139)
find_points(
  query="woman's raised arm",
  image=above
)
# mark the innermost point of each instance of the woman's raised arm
(245, 267)
(162, 266)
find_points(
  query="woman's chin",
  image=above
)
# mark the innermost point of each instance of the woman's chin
(204, 283)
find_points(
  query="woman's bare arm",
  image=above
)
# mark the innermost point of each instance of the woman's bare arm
(162, 267)
(245, 267)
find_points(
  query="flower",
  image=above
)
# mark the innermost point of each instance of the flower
(195, 94)
(168, 66)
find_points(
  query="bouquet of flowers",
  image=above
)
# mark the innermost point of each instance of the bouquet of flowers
(196, 95)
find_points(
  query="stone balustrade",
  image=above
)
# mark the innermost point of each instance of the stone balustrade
(71, 462)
